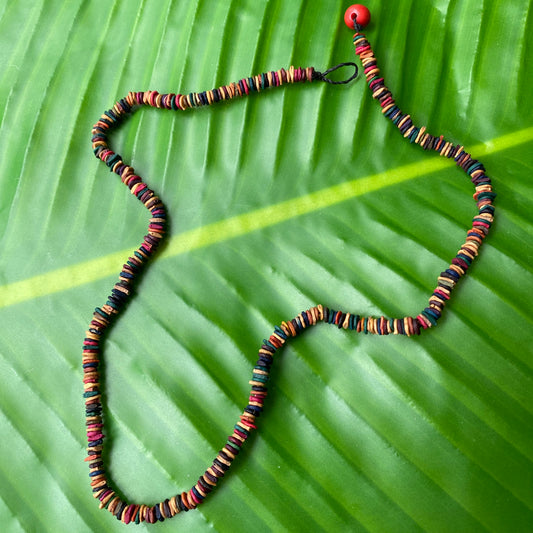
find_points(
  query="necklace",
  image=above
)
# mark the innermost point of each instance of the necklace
(356, 17)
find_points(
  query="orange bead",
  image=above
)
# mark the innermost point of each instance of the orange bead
(357, 14)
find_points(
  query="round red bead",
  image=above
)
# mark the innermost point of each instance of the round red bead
(357, 14)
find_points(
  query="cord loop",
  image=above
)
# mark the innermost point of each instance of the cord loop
(322, 76)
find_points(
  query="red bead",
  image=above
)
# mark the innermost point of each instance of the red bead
(357, 14)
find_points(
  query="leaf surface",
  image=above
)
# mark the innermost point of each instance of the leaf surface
(279, 201)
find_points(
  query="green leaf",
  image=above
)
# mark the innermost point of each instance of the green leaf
(278, 202)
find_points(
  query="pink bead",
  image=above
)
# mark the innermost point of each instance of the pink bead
(356, 14)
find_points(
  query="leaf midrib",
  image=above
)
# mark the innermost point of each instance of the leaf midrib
(88, 271)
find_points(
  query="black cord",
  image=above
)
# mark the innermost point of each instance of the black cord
(322, 76)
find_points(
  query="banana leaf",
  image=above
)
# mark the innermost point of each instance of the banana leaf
(278, 202)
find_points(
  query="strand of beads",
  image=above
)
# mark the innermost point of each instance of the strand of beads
(243, 87)
(483, 195)
(121, 292)
(103, 317)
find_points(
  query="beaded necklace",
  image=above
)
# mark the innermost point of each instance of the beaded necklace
(356, 17)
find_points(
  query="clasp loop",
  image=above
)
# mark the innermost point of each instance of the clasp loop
(322, 76)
